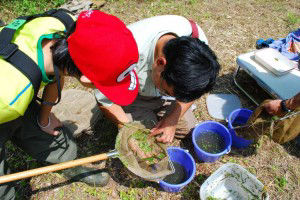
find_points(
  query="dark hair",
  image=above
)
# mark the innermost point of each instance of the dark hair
(61, 56)
(191, 68)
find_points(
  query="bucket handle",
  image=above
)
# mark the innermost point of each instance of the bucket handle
(228, 150)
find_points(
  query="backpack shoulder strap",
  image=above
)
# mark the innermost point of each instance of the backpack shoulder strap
(12, 54)
(63, 16)
(195, 32)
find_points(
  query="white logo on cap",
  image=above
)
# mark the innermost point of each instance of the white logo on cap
(128, 71)
(87, 14)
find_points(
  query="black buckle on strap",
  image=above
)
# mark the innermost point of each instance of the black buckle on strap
(8, 50)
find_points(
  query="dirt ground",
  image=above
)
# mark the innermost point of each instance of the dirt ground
(232, 28)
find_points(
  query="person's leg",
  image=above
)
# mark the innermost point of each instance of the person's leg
(7, 190)
(55, 149)
(185, 124)
(143, 109)
(43, 146)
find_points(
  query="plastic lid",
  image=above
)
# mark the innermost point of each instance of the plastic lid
(221, 105)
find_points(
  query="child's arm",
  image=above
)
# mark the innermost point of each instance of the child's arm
(47, 120)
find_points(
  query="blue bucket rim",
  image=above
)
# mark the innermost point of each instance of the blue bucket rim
(233, 112)
(225, 151)
(193, 172)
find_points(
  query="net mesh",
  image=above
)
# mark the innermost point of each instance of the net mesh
(260, 123)
(141, 154)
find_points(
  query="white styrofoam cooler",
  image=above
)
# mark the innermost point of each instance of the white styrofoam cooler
(232, 182)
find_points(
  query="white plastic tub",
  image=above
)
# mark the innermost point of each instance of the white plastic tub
(232, 182)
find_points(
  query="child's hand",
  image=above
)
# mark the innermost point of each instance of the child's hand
(51, 127)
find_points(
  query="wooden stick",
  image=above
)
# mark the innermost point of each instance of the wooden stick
(52, 168)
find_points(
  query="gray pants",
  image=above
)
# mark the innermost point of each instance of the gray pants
(152, 109)
(25, 133)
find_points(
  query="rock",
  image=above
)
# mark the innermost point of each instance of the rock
(98, 4)
(78, 111)
(77, 6)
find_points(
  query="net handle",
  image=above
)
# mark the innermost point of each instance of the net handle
(56, 167)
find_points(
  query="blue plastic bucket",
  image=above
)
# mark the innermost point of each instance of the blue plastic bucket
(238, 117)
(217, 128)
(185, 159)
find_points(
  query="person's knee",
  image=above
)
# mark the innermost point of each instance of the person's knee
(70, 152)
(64, 150)
(7, 191)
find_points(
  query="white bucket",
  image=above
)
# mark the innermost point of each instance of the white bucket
(232, 182)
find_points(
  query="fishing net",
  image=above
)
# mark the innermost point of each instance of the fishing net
(260, 123)
(142, 154)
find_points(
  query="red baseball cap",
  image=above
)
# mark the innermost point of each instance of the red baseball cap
(105, 51)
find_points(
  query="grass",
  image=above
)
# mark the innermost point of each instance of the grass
(13, 8)
(128, 195)
(281, 182)
(232, 27)
(292, 19)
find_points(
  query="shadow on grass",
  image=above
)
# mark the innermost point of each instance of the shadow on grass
(67, 182)
(102, 140)
(187, 144)
(52, 186)
(23, 189)
(243, 152)
(293, 147)
(120, 174)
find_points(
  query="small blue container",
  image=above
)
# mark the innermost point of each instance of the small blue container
(238, 117)
(217, 128)
(185, 159)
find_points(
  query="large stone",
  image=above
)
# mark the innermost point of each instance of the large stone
(77, 110)
(77, 6)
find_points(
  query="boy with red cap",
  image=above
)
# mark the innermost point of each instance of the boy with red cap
(89, 52)
(174, 61)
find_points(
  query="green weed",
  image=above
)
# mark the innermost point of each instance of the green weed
(200, 178)
(252, 170)
(207, 15)
(212, 198)
(61, 194)
(130, 195)
(103, 196)
(137, 183)
(281, 182)
(192, 2)
(23, 183)
(232, 160)
(292, 19)
(91, 191)
(190, 191)
(274, 167)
